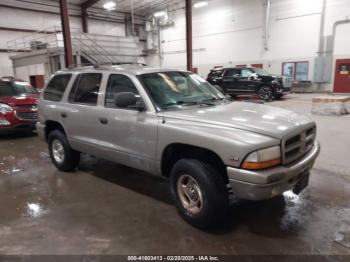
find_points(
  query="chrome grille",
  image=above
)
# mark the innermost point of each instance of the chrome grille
(297, 146)
(31, 116)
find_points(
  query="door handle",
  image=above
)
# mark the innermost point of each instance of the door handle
(64, 115)
(103, 120)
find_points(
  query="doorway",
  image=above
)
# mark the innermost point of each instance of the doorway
(342, 76)
(37, 81)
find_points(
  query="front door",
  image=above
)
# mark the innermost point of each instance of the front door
(246, 81)
(128, 135)
(230, 81)
(342, 76)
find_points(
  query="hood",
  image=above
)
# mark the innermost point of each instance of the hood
(266, 120)
(25, 99)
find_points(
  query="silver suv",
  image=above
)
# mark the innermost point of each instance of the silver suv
(174, 124)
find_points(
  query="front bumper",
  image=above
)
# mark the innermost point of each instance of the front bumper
(265, 184)
(283, 90)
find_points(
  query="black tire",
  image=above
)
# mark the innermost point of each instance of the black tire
(278, 96)
(215, 201)
(266, 93)
(70, 158)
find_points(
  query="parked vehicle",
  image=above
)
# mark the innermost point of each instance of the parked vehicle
(250, 81)
(176, 125)
(18, 105)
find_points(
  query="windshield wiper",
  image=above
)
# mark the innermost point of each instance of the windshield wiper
(189, 103)
(215, 99)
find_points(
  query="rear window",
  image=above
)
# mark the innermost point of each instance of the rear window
(56, 87)
(216, 73)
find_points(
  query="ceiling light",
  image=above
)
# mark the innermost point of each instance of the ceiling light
(200, 4)
(110, 6)
(159, 14)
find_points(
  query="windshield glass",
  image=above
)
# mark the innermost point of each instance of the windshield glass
(261, 72)
(169, 89)
(16, 89)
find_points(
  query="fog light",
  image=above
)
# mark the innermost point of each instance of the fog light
(4, 122)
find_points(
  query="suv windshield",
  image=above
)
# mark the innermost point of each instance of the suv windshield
(169, 89)
(16, 88)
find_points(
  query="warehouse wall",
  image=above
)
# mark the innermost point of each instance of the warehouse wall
(23, 19)
(231, 32)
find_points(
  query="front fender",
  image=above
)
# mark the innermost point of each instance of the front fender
(230, 144)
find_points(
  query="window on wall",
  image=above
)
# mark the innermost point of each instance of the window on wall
(299, 71)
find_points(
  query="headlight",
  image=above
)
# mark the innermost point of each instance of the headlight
(263, 159)
(5, 108)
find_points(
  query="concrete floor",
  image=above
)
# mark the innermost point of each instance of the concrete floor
(107, 209)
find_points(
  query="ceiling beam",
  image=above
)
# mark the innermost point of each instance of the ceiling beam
(87, 4)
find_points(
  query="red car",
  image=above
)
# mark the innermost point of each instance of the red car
(18, 105)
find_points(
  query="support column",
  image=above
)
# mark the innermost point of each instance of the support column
(84, 20)
(66, 33)
(189, 47)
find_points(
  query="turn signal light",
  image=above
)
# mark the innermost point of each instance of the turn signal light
(261, 165)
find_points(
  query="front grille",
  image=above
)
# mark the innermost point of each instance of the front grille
(30, 106)
(31, 116)
(297, 146)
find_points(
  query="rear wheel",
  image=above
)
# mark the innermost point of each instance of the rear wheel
(199, 192)
(62, 155)
(266, 93)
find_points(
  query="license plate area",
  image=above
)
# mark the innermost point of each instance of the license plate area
(302, 183)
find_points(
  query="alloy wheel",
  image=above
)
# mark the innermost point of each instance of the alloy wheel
(190, 194)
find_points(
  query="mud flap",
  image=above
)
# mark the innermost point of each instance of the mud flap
(302, 184)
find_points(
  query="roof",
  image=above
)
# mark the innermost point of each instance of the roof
(233, 67)
(135, 69)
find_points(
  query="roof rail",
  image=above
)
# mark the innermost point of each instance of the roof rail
(98, 65)
(72, 66)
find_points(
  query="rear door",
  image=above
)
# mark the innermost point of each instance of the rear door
(80, 115)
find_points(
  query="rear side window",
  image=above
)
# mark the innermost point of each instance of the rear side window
(86, 88)
(56, 87)
(215, 73)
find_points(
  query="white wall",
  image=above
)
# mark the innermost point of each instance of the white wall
(230, 32)
(22, 19)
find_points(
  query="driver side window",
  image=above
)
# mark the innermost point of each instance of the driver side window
(246, 73)
(119, 84)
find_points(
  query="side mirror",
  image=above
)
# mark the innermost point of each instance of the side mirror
(127, 100)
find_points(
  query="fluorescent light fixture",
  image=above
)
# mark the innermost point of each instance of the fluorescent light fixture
(200, 4)
(110, 6)
(159, 14)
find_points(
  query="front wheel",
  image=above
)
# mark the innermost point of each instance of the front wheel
(62, 155)
(278, 96)
(266, 93)
(199, 192)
